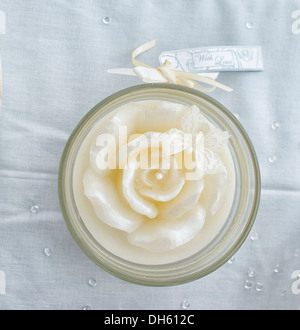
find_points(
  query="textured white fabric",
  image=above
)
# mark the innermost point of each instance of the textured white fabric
(54, 59)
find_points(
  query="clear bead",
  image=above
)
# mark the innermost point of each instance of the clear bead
(249, 25)
(237, 116)
(47, 252)
(106, 20)
(251, 272)
(248, 285)
(272, 159)
(231, 260)
(275, 125)
(278, 270)
(34, 209)
(92, 282)
(254, 236)
(186, 304)
(259, 286)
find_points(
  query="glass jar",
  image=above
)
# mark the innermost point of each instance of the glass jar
(240, 219)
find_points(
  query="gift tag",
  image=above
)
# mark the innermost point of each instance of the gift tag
(215, 59)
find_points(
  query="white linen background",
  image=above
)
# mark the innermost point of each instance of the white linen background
(54, 60)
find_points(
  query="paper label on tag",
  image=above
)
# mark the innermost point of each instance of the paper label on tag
(214, 59)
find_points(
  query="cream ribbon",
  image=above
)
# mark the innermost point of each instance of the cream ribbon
(164, 73)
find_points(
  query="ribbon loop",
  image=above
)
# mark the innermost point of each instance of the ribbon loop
(164, 73)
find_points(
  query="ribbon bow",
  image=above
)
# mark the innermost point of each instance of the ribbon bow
(165, 74)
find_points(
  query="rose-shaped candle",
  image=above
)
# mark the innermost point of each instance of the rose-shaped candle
(159, 184)
(158, 181)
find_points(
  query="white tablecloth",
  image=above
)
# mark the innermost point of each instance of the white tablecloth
(54, 58)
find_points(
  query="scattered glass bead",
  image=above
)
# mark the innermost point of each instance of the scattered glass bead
(248, 285)
(92, 282)
(86, 308)
(275, 125)
(237, 116)
(259, 287)
(186, 304)
(254, 236)
(272, 159)
(277, 270)
(231, 260)
(47, 252)
(251, 272)
(34, 209)
(249, 25)
(106, 20)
